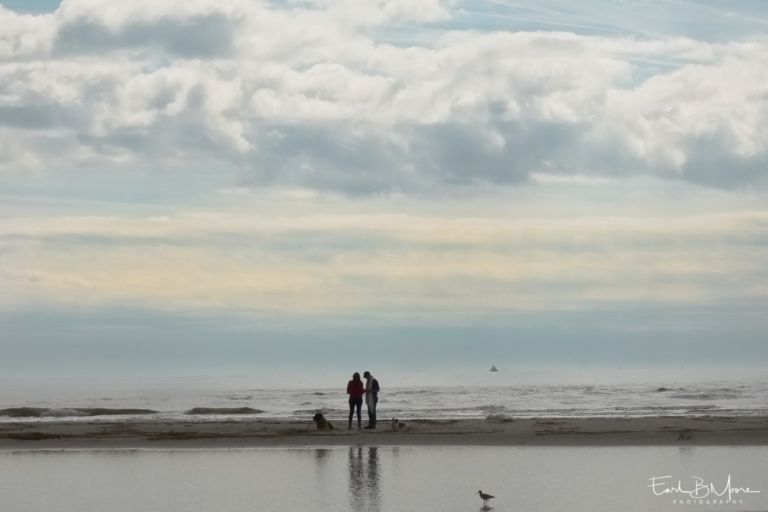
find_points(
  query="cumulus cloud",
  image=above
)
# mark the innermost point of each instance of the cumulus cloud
(304, 94)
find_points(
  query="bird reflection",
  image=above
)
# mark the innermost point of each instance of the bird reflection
(364, 476)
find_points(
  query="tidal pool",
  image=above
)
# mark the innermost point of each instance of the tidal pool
(383, 479)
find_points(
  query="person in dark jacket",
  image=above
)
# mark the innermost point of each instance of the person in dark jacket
(355, 390)
(371, 398)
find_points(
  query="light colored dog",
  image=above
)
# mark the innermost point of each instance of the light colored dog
(396, 424)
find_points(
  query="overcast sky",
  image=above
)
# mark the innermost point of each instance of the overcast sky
(207, 186)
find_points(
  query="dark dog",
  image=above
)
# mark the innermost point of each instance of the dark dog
(321, 422)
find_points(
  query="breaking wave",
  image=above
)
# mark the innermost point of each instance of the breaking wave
(224, 410)
(38, 412)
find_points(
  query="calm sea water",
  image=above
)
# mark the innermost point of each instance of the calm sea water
(489, 395)
(375, 479)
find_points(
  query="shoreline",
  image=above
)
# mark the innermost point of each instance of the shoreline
(544, 431)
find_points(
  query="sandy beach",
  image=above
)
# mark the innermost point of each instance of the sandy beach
(661, 431)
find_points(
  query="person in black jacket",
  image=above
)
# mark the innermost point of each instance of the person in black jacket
(371, 398)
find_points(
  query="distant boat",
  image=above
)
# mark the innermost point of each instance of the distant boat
(493, 368)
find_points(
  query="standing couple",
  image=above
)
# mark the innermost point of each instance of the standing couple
(356, 390)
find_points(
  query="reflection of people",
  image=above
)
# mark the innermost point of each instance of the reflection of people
(364, 475)
(356, 478)
(373, 476)
(371, 398)
(355, 390)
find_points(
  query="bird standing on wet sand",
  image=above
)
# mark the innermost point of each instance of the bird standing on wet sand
(484, 497)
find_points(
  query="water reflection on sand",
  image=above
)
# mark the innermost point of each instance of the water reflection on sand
(370, 479)
(364, 475)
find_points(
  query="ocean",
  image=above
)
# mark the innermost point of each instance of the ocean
(239, 399)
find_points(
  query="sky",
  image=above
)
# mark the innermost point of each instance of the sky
(229, 186)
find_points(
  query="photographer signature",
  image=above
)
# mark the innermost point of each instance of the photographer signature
(698, 489)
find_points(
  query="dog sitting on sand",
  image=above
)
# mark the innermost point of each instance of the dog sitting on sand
(396, 424)
(321, 422)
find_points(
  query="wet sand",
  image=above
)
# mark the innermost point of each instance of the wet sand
(375, 479)
(659, 431)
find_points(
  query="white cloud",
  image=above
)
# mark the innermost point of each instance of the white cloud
(305, 96)
(22, 36)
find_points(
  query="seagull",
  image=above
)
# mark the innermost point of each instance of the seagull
(484, 497)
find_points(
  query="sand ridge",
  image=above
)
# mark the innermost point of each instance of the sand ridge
(138, 432)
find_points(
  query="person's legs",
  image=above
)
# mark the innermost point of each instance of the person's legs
(370, 403)
(373, 415)
(359, 406)
(351, 410)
